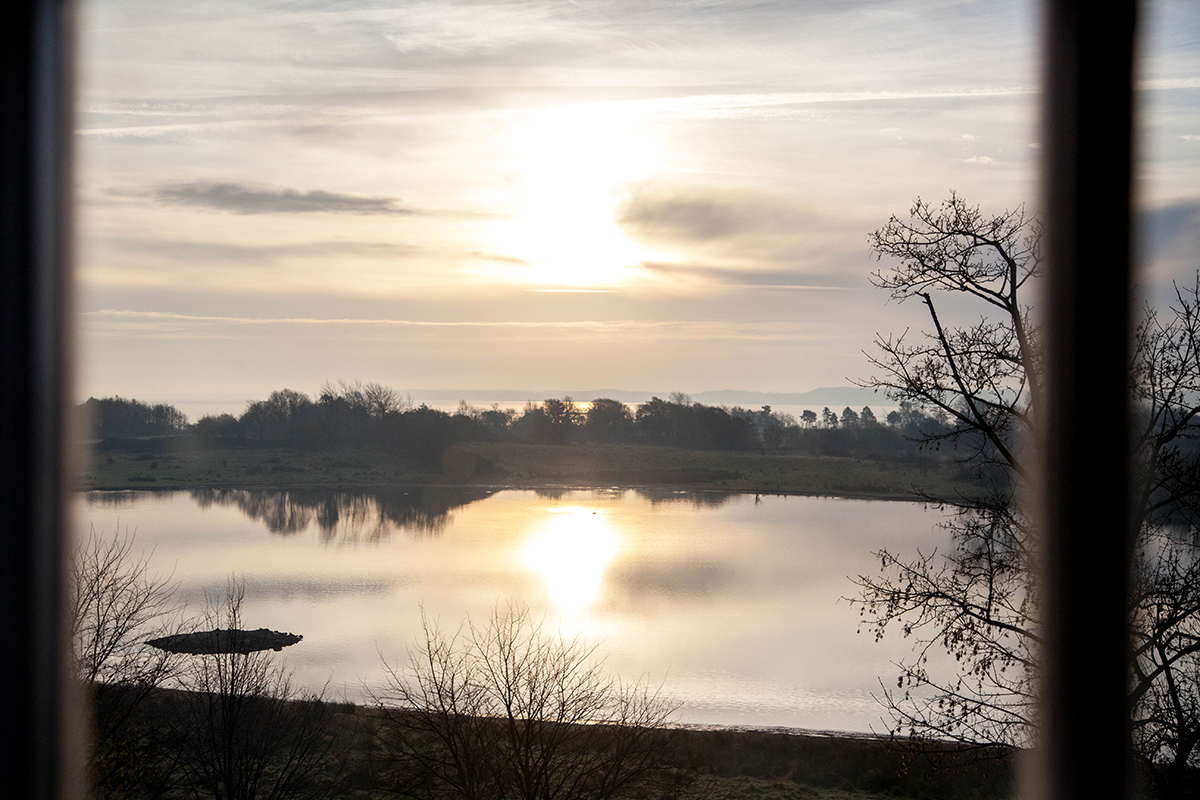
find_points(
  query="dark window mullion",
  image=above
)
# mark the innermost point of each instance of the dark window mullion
(1083, 499)
(42, 752)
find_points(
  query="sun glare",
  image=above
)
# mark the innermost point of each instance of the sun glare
(570, 165)
(570, 553)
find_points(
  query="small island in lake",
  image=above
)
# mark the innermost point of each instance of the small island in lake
(225, 641)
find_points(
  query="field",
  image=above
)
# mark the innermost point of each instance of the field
(632, 465)
(182, 464)
(188, 468)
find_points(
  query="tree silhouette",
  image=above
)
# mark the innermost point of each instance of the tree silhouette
(608, 421)
(978, 602)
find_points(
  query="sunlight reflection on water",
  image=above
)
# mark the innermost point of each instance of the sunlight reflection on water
(730, 601)
(570, 552)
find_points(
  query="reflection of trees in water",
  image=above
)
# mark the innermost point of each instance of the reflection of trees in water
(554, 494)
(122, 498)
(347, 516)
(697, 499)
(694, 499)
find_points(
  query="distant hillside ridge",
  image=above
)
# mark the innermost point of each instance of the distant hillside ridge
(840, 396)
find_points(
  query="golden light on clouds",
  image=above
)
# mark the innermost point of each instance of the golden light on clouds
(570, 165)
(570, 553)
(557, 196)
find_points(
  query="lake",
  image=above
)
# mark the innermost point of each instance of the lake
(732, 602)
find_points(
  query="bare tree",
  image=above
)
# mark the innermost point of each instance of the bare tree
(977, 603)
(242, 731)
(117, 602)
(373, 399)
(509, 711)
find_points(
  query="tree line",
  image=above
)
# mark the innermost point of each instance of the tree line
(373, 416)
(117, 416)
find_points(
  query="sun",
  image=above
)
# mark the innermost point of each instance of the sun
(570, 165)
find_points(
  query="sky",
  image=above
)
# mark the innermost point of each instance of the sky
(551, 195)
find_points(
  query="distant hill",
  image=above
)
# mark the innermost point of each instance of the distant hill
(839, 396)
(830, 396)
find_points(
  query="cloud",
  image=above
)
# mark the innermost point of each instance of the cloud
(683, 215)
(741, 237)
(736, 278)
(497, 257)
(147, 325)
(208, 252)
(979, 160)
(689, 219)
(246, 198)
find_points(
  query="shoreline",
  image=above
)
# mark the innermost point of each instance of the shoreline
(502, 466)
(731, 762)
(494, 487)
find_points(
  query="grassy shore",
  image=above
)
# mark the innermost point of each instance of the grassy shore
(784, 766)
(632, 465)
(741, 764)
(723, 764)
(183, 464)
(188, 468)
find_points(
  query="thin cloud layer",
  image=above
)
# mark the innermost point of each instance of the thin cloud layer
(733, 278)
(246, 198)
(702, 163)
(742, 238)
(695, 216)
(194, 252)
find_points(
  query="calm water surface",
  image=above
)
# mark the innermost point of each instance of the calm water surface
(731, 601)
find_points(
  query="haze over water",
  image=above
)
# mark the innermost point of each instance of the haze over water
(731, 602)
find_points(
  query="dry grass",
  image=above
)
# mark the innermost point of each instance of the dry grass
(633, 465)
(704, 764)
(244, 468)
(172, 465)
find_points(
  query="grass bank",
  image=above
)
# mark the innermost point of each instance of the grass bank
(633, 465)
(724, 764)
(193, 467)
(782, 766)
(184, 464)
